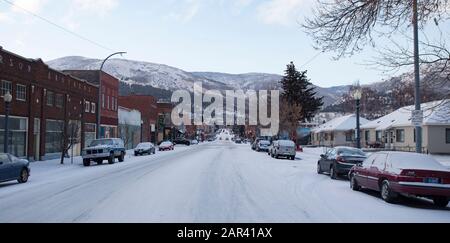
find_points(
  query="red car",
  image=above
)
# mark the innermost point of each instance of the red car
(166, 146)
(398, 173)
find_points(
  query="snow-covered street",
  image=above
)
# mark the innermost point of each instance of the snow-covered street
(212, 182)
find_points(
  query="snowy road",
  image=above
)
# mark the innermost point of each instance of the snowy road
(214, 182)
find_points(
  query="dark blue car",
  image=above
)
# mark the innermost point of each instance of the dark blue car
(13, 168)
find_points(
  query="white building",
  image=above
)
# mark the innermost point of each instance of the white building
(130, 124)
(340, 131)
(396, 131)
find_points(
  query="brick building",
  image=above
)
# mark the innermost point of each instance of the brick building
(165, 127)
(148, 107)
(46, 105)
(109, 99)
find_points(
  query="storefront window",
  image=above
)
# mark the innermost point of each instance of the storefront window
(89, 133)
(53, 136)
(17, 135)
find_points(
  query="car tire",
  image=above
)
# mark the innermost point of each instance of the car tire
(136, 154)
(122, 157)
(319, 169)
(333, 173)
(292, 157)
(441, 202)
(354, 184)
(24, 175)
(86, 162)
(111, 159)
(386, 192)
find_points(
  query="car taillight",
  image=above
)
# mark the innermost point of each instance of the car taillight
(340, 159)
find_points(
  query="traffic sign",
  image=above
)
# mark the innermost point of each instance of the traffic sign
(417, 118)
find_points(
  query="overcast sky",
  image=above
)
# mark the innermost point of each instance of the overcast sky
(234, 36)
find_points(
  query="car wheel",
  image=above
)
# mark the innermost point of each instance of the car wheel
(111, 159)
(333, 173)
(292, 157)
(386, 193)
(354, 184)
(319, 169)
(87, 162)
(23, 176)
(441, 202)
(122, 157)
(136, 154)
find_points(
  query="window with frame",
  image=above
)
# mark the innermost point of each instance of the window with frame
(93, 108)
(349, 137)
(107, 102)
(59, 102)
(50, 98)
(447, 135)
(21, 92)
(400, 136)
(6, 86)
(103, 101)
(87, 106)
(379, 136)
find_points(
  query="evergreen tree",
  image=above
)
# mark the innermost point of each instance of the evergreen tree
(299, 91)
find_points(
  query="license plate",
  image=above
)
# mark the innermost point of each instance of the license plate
(432, 180)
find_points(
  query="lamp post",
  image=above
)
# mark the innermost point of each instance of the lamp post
(8, 99)
(357, 95)
(100, 100)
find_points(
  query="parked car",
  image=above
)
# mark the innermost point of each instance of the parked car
(238, 141)
(339, 161)
(399, 173)
(145, 148)
(255, 143)
(194, 142)
(182, 141)
(283, 148)
(104, 149)
(166, 146)
(210, 139)
(13, 168)
(263, 146)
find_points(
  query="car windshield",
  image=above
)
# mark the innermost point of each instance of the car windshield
(144, 145)
(102, 142)
(415, 161)
(287, 143)
(264, 142)
(351, 152)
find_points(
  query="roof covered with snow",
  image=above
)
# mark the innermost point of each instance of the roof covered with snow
(345, 123)
(435, 113)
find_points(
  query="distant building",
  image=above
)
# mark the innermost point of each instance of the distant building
(396, 131)
(148, 107)
(130, 127)
(340, 131)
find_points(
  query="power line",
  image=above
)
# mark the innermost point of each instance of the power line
(311, 60)
(57, 25)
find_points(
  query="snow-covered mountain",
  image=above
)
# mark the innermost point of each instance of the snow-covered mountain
(144, 75)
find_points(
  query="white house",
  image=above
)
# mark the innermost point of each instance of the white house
(396, 131)
(340, 131)
(130, 122)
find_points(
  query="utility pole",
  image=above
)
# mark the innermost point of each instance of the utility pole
(417, 75)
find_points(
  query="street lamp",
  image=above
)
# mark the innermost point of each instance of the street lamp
(8, 99)
(357, 95)
(100, 105)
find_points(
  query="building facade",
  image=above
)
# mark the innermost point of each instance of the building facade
(109, 99)
(395, 131)
(130, 127)
(147, 106)
(49, 108)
